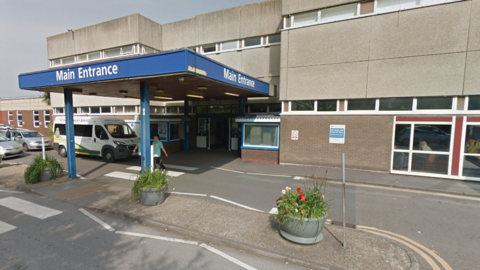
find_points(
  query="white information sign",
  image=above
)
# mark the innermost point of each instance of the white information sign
(337, 134)
(294, 135)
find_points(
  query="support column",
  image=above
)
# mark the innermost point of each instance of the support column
(186, 140)
(70, 143)
(241, 107)
(145, 124)
(241, 112)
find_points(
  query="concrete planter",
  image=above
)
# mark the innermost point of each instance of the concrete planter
(45, 176)
(308, 231)
(150, 196)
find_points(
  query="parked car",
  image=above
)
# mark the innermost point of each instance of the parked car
(10, 148)
(29, 139)
(4, 127)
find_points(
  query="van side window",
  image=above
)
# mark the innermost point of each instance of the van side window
(61, 128)
(100, 132)
(83, 130)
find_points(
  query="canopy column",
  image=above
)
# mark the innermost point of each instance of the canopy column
(70, 132)
(145, 124)
(186, 140)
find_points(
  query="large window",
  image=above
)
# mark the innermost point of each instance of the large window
(36, 119)
(257, 108)
(302, 105)
(176, 131)
(252, 42)
(120, 131)
(209, 48)
(82, 130)
(434, 103)
(471, 159)
(474, 102)
(326, 105)
(306, 19)
(46, 118)
(274, 39)
(19, 119)
(229, 45)
(396, 104)
(58, 110)
(361, 104)
(95, 109)
(261, 135)
(113, 52)
(338, 13)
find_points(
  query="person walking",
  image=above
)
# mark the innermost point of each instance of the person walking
(8, 134)
(157, 152)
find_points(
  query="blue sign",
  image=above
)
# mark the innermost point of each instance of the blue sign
(149, 65)
(337, 134)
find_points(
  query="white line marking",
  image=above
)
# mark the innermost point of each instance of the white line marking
(105, 225)
(228, 257)
(276, 175)
(122, 175)
(237, 204)
(28, 208)
(190, 194)
(158, 237)
(11, 191)
(297, 178)
(169, 173)
(5, 227)
(135, 168)
(227, 170)
(273, 211)
(178, 167)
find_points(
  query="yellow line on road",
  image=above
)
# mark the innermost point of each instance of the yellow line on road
(392, 235)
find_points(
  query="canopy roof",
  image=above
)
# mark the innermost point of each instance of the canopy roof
(172, 75)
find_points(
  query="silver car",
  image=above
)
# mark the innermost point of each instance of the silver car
(10, 148)
(29, 139)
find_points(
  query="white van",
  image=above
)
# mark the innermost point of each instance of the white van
(107, 137)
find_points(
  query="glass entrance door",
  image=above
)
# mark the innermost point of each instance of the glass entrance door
(203, 140)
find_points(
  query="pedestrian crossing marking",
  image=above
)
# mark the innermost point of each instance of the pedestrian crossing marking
(169, 173)
(122, 175)
(5, 227)
(29, 208)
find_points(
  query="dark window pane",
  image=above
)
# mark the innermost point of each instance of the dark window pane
(95, 109)
(83, 130)
(474, 102)
(85, 110)
(432, 137)
(274, 39)
(60, 128)
(430, 163)
(256, 41)
(181, 109)
(220, 109)
(275, 107)
(172, 109)
(106, 109)
(258, 108)
(327, 105)
(402, 136)
(400, 161)
(472, 139)
(100, 132)
(396, 104)
(209, 48)
(471, 166)
(234, 109)
(201, 109)
(302, 105)
(361, 105)
(434, 103)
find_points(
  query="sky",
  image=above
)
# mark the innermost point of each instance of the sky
(26, 24)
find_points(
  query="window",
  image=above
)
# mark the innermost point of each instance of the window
(209, 48)
(302, 105)
(338, 13)
(471, 159)
(305, 19)
(68, 60)
(60, 128)
(274, 39)
(148, 50)
(10, 118)
(201, 109)
(434, 103)
(58, 110)
(162, 131)
(396, 104)
(252, 42)
(100, 133)
(219, 109)
(395, 5)
(229, 45)
(113, 52)
(95, 109)
(118, 109)
(263, 135)
(172, 109)
(106, 109)
(474, 102)
(275, 107)
(258, 108)
(84, 110)
(94, 56)
(82, 58)
(46, 118)
(361, 105)
(129, 109)
(83, 130)
(120, 131)
(157, 109)
(327, 106)
(19, 119)
(56, 62)
(176, 131)
(36, 119)
(126, 50)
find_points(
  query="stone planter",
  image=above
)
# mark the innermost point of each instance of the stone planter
(308, 231)
(150, 196)
(45, 176)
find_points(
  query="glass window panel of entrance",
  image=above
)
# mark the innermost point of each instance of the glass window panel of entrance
(176, 131)
(430, 163)
(432, 137)
(474, 102)
(471, 160)
(261, 135)
(258, 108)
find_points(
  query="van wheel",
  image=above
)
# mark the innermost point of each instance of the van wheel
(25, 147)
(108, 156)
(62, 151)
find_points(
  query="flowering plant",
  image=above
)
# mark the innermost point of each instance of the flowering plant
(307, 203)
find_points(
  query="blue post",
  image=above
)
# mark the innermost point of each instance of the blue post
(72, 166)
(241, 107)
(241, 112)
(145, 124)
(186, 141)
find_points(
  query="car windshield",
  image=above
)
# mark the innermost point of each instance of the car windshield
(120, 131)
(31, 134)
(3, 139)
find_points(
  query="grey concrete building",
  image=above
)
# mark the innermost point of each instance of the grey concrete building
(397, 79)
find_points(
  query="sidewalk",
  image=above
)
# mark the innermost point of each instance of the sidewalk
(238, 228)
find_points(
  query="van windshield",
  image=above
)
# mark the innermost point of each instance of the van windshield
(120, 131)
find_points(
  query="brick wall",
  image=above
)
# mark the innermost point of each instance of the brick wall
(267, 156)
(368, 141)
(27, 119)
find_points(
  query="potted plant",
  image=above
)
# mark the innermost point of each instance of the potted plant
(150, 187)
(43, 170)
(302, 213)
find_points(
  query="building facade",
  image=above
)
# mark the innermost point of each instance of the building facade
(26, 113)
(399, 76)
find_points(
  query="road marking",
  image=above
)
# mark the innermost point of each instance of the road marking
(228, 257)
(105, 225)
(11, 191)
(227, 170)
(445, 265)
(169, 173)
(276, 175)
(158, 237)
(298, 178)
(122, 175)
(190, 194)
(237, 204)
(28, 208)
(178, 167)
(273, 211)
(5, 227)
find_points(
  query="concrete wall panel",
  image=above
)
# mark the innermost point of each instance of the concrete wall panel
(273, 60)
(423, 31)
(231, 59)
(340, 42)
(472, 78)
(285, 36)
(261, 18)
(474, 37)
(222, 25)
(283, 83)
(327, 81)
(150, 33)
(296, 6)
(434, 75)
(255, 62)
(180, 34)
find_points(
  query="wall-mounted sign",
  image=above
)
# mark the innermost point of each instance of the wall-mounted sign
(337, 134)
(294, 135)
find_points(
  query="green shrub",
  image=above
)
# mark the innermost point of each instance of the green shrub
(34, 170)
(148, 179)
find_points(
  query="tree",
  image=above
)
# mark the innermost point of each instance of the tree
(46, 98)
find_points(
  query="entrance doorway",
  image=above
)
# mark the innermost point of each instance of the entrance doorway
(219, 133)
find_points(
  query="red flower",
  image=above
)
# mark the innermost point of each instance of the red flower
(303, 198)
(299, 189)
(300, 194)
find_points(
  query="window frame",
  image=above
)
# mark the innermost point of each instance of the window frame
(249, 146)
(45, 119)
(35, 122)
(462, 150)
(19, 123)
